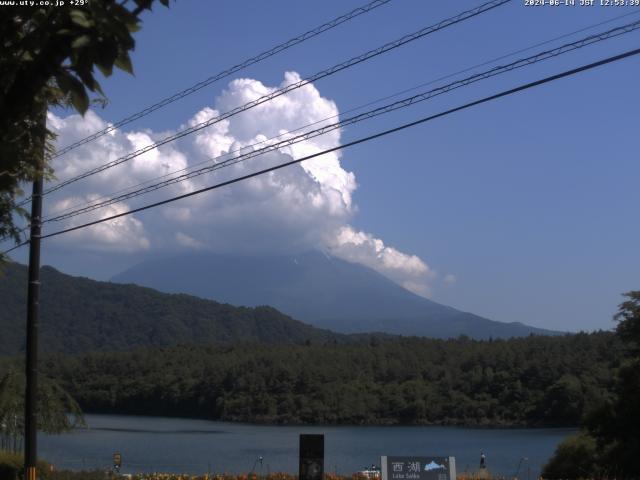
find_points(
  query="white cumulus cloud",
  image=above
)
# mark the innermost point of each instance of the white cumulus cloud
(360, 247)
(301, 207)
(123, 234)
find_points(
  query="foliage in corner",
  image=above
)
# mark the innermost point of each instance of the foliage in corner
(628, 318)
(57, 411)
(48, 55)
(609, 446)
(575, 457)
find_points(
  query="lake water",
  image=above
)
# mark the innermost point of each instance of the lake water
(199, 446)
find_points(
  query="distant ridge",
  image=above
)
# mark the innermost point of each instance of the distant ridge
(79, 315)
(318, 289)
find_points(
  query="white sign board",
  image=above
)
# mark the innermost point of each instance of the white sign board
(418, 468)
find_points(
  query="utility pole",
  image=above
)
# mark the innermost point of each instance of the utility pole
(33, 300)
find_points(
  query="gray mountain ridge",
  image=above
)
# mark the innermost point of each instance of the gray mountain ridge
(317, 289)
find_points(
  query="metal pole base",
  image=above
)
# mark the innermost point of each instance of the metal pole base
(31, 473)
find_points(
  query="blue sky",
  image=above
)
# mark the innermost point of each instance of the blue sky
(530, 202)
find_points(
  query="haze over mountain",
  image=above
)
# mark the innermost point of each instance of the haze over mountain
(318, 289)
(79, 315)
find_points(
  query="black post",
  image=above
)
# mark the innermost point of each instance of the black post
(311, 465)
(33, 294)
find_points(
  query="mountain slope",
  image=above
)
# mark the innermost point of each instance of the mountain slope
(78, 314)
(315, 288)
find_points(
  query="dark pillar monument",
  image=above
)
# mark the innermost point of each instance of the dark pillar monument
(311, 457)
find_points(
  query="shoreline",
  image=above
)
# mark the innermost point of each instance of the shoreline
(257, 423)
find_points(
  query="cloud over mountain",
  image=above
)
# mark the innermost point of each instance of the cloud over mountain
(301, 207)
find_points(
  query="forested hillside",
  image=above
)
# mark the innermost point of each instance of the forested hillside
(526, 381)
(79, 315)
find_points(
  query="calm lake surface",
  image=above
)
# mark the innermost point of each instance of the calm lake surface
(198, 446)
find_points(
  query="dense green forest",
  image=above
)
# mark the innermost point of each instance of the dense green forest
(79, 315)
(534, 381)
(608, 445)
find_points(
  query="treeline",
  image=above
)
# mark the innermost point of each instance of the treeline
(533, 381)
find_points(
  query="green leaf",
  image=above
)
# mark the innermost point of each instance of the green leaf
(98, 88)
(106, 70)
(80, 18)
(73, 87)
(133, 27)
(81, 41)
(80, 100)
(123, 62)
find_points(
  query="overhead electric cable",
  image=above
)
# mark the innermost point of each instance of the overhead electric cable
(225, 73)
(489, 98)
(15, 247)
(265, 98)
(501, 57)
(350, 110)
(538, 57)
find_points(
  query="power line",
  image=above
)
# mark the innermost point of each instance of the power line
(502, 57)
(225, 73)
(496, 96)
(265, 98)
(354, 109)
(15, 247)
(406, 102)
